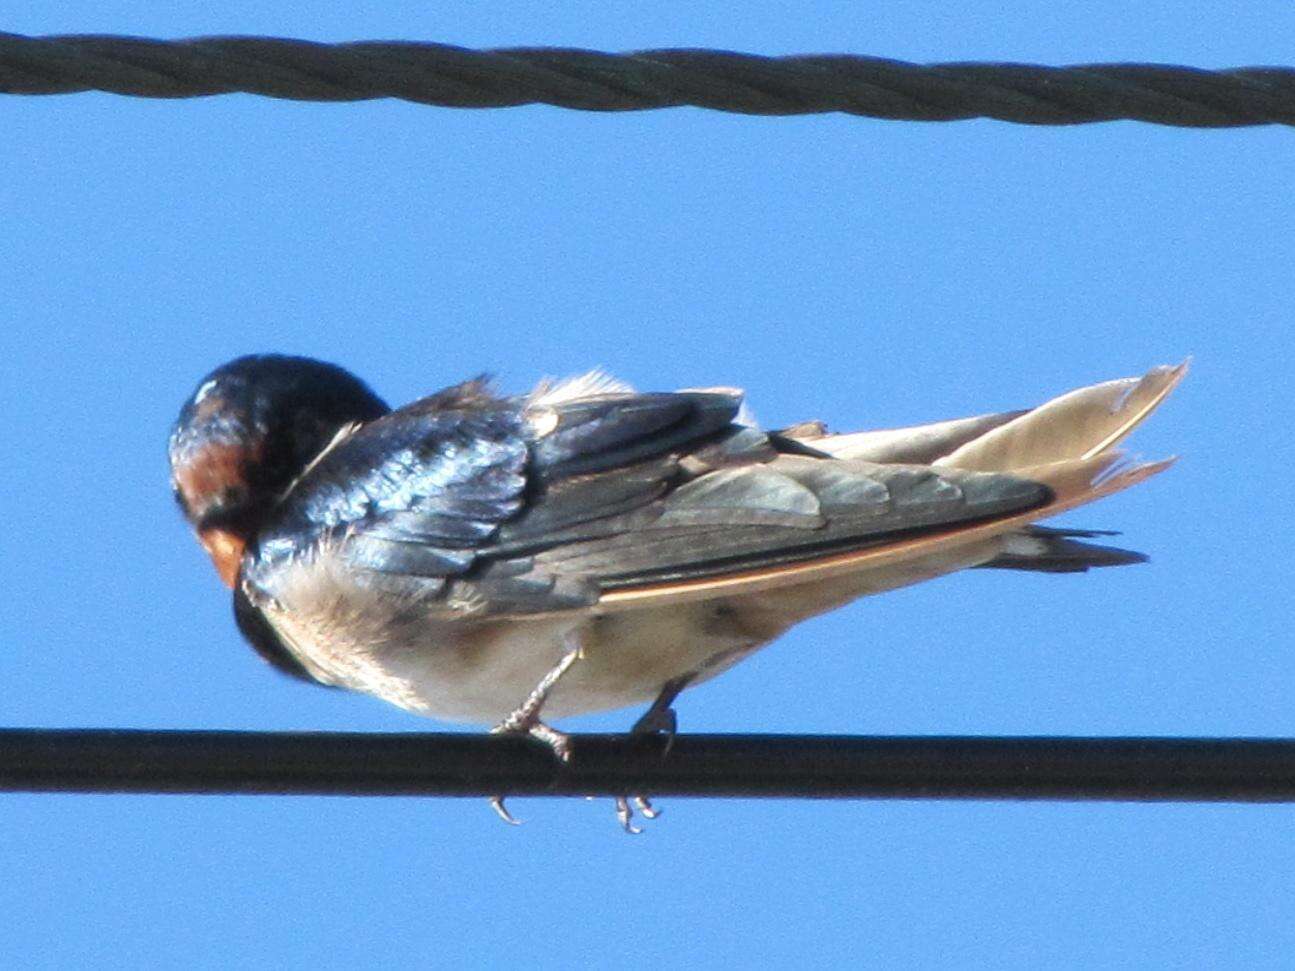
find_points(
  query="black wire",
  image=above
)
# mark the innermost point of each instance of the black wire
(440, 74)
(1119, 769)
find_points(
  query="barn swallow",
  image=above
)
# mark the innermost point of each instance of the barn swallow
(485, 558)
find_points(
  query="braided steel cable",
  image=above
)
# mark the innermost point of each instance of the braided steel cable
(448, 76)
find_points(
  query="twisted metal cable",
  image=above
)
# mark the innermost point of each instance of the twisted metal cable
(842, 767)
(441, 74)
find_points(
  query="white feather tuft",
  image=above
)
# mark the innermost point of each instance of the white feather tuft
(596, 382)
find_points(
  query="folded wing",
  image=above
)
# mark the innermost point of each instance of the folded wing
(519, 506)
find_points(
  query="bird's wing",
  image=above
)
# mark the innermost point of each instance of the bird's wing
(1085, 483)
(760, 512)
(550, 503)
(429, 495)
(412, 493)
(523, 506)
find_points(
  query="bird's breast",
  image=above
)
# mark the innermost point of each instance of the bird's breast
(389, 642)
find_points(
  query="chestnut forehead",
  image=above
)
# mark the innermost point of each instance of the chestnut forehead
(213, 468)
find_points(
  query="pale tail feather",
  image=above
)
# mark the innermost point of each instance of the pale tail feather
(916, 445)
(1082, 424)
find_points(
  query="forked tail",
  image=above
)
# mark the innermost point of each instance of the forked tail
(1069, 444)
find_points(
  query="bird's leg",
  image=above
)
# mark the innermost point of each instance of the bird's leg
(659, 719)
(525, 719)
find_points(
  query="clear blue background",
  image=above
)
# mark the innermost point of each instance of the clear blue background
(864, 272)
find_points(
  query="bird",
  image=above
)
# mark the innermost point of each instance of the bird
(508, 559)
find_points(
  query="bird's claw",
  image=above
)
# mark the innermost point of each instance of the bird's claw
(526, 723)
(646, 808)
(559, 743)
(625, 815)
(660, 720)
(497, 804)
(625, 812)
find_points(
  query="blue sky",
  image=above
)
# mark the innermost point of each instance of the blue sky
(863, 272)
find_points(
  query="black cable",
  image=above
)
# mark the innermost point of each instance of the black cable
(1117, 769)
(440, 74)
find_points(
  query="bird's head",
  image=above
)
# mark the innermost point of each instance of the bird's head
(252, 426)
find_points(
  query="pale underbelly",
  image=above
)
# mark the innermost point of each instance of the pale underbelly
(481, 671)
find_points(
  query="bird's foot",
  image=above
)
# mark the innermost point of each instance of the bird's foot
(625, 806)
(529, 724)
(559, 744)
(662, 722)
(525, 720)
